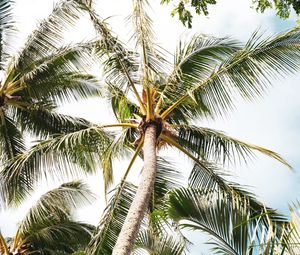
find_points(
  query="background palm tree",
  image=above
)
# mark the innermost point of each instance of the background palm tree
(156, 102)
(48, 227)
(39, 77)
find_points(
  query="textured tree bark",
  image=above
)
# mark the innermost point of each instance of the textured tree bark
(140, 202)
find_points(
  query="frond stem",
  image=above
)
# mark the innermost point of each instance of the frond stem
(3, 245)
(95, 20)
(179, 147)
(119, 125)
(136, 153)
(190, 155)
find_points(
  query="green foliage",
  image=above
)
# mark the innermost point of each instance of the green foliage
(48, 227)
(185, 15)
(39, 77)
(184, 8)
(144, 89)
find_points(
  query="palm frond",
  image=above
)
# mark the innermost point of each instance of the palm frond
(47, 37)
(216, 146)
(62, 156)
(55, 205)
(123, 108)
(194, 62)
(43, 121)
(61, 76)
(107, 232)
(248, 72)
(64, 237)
(220, 216)
(167, 178)
(3, 245)
(202, 179)
(11, 140)
(292, 239)
(118, 148)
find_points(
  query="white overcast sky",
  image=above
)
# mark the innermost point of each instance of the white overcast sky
(273, 122)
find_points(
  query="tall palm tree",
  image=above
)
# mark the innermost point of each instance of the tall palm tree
(48, 227)
(40, 76)
(155, 103)
(237, 222)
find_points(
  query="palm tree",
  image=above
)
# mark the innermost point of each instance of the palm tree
(155, 104)
(40, 76)
(237, 222)
(48, 227)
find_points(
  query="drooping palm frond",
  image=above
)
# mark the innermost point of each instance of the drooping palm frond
(202, 179)
(63, 237)
(117, 149)
(248, 72)
(107, 232)
(210, 177)
(228, 220)
(213, 145)
(64, 155)
(167, 178)
(43, 121)
(11, 140)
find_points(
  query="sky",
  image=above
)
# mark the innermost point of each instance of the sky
(272, 121)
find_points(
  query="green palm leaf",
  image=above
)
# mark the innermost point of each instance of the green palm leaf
(64, 155)
(65, 237)
(120, 64)
(216, 146)
(248, 72)
(194, 62)
(167, 178)
(123, 108)
(203, 180)
(11, 140)
(56, 205)
(47, 37)
(59, 76)
(227, 219)
(48, 227)
(43, 121)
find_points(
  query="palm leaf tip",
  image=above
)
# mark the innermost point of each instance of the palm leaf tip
(214, 145)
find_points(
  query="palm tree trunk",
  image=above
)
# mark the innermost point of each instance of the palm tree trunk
(140, 202)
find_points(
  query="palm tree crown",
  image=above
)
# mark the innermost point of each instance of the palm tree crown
(48, 227)
(39, 77)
